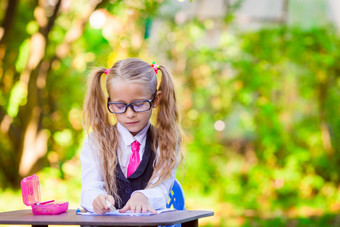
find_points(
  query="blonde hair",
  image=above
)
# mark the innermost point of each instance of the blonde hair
(166, 133)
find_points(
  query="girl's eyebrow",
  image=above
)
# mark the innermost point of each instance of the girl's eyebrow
(120, 101)
(134, 100)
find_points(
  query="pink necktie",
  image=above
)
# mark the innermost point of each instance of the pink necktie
(134, 158)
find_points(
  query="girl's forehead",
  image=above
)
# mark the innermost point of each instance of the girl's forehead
(126, 90)
(120, 82)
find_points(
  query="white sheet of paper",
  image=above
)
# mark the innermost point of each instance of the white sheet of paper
(128, 213)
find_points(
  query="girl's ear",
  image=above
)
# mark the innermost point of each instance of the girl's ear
(157, 99)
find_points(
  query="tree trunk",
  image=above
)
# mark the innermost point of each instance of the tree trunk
(6, 27)
(33, 145)
(8, 20)
(26, 133)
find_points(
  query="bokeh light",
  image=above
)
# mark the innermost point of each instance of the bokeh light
(97, 19)
(219, 125)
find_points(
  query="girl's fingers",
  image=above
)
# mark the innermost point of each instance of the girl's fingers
(98, 211)
(103, 204)
(125, 208)
(144, 209)
(99, 201)
(133, 208)
(95, 210)
(99, 205)
(138, 208)
(152, 210)
(110, 199)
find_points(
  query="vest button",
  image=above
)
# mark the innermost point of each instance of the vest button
(127, 190)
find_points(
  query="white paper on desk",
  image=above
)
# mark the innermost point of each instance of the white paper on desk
(127, 213)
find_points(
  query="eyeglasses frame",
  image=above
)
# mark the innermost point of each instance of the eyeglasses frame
(131, 105)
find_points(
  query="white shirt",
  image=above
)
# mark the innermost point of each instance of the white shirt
(92, 180)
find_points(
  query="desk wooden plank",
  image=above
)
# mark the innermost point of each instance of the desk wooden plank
(71, 218)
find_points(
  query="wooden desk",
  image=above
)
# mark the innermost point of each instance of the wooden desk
(188, 218)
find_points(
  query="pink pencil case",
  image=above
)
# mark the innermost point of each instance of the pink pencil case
(30, 188)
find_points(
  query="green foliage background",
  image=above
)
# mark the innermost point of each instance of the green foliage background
(276, 91)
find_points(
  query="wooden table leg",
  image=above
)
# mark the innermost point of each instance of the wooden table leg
(193, 223)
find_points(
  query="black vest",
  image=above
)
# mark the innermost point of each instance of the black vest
(140, 178)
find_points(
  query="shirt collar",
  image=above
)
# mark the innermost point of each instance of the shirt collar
(128, 138)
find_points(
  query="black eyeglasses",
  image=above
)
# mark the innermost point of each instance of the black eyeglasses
(137, 106)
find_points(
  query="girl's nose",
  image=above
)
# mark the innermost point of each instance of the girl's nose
(129, 112)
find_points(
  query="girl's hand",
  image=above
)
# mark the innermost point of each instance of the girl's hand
(138, 203)
(99, 203)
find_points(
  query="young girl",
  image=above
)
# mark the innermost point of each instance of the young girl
(130, 164)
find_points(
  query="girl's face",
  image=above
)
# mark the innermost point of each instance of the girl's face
(127, 92)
